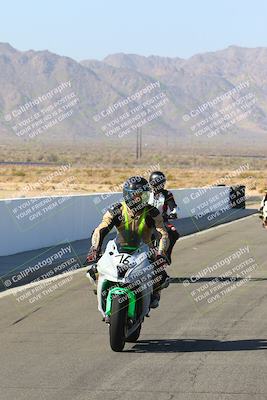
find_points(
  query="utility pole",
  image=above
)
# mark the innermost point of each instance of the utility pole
(137, 143)
(140, 142)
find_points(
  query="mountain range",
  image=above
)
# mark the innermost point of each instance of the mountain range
(98, 85)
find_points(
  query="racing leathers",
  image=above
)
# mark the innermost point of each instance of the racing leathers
(263, 209)
(164, 201)
(263, 202)
(134, 228)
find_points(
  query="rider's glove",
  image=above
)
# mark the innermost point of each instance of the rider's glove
(91, 274)
(173, 216)
(92, 256)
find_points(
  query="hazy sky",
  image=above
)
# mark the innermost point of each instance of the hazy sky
(93, 29)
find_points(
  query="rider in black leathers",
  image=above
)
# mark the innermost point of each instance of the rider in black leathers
(164, 201)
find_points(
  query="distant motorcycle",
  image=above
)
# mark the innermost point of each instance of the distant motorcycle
(124, 289)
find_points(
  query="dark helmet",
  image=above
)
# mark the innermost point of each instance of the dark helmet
(136, 192)
(157, 181)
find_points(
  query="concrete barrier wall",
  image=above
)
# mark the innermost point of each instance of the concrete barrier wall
(34, 223)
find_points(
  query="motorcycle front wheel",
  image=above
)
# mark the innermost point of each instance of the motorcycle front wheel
(135, 335)
(118, 323)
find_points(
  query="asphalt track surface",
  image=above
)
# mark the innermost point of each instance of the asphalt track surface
(12, 265)
(57, 347)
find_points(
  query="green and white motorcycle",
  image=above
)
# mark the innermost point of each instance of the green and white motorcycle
(124, 289)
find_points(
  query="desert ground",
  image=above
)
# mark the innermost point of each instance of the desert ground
(71, 169)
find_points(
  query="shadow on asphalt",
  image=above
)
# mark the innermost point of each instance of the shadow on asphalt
(185, 279)
(196, 345)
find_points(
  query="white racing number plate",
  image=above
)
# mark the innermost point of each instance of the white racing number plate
(124, 262)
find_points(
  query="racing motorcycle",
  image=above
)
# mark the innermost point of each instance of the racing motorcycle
(124, 289)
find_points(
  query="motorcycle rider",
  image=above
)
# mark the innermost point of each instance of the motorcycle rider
(135, 221)
(263, 210)
(264, 201)
(164, 201)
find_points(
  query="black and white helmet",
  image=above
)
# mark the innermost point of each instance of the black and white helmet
(157, 181)
(136, 192)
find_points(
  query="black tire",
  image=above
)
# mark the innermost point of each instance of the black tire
(135, 335)
(118, 323)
